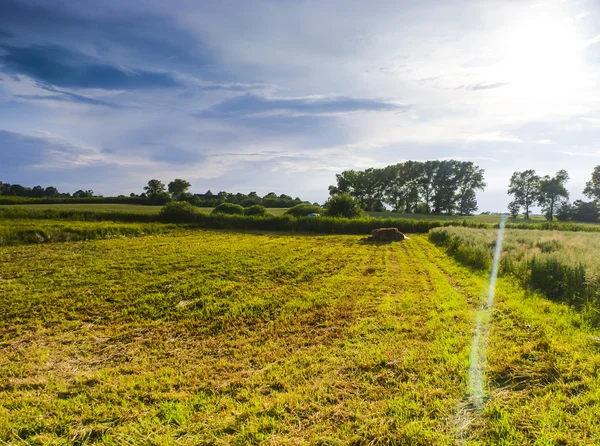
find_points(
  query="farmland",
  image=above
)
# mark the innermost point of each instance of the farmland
(130, 208)
(216, 337)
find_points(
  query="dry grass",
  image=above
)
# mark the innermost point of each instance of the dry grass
(226, 338)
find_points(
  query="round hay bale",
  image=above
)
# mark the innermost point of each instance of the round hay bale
(387, 235)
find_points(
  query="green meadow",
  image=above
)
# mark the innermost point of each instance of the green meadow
(226, 337)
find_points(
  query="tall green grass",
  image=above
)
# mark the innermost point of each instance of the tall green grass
(564, 266)
(554, 226)
(26, 232)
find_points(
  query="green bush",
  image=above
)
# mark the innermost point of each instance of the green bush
(179, 212)
(343, 205)
(256, 210)
(229, 208)
(302, 210)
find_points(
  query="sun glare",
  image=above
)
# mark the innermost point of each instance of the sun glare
(541, 54)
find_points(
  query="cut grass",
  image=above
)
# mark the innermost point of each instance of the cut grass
(212, 337)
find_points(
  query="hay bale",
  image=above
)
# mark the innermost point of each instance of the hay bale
(387, 235)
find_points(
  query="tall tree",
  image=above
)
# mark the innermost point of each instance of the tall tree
(37, 192)
(553, 192)
(83, 193)
(425, 182)
(394, 190)
(585, 211)
(412, 172)
(444, 187)
(51, 192)
(17, 190)
(177, 187)
(469, 179)
(592, 187)
(514, 208)
(525, 187)
(155, 188)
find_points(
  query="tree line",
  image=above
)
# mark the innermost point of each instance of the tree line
(550, 193)
(155, 192)
(425, 187)
(177, 190)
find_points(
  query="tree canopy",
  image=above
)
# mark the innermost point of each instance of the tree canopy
(178, 187)
(525, 187)
(441, 187)
(553, 192)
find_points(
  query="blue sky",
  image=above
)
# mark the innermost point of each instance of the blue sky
(280, 95)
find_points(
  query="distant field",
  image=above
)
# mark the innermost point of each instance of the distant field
(144, 209)
(480, 218)
(91, 207)
(215, 337)
(275, 211)
(23, 231)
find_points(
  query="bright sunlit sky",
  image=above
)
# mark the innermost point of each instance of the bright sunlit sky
(280, 95)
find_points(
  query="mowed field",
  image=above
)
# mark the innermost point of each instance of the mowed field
(210, 337)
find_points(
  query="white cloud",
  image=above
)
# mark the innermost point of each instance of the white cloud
(579, 154)
(592, 41)
(492, 137)
(548, 142)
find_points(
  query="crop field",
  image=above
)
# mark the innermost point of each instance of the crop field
(215, 337)
(138, 208)
(104, 207)
(24, 231)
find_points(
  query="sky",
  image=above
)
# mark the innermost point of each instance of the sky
(281, 95)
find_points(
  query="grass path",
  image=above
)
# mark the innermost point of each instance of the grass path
(224, 338)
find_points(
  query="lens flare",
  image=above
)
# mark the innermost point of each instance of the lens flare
(479, 348)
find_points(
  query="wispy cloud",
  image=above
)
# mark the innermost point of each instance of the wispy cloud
(591, 42)
(283, 95)
(492, 137)
(594, 122)
(477, 87)
(43, 150)
(61, 67)
(65, 96)
(469, 158)
(255, 105)
(595, 154)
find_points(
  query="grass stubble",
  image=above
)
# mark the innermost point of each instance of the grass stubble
(214, 337)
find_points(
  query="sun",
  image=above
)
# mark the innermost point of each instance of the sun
(541, 54)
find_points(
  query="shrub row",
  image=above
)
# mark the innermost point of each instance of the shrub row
(179, 213)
